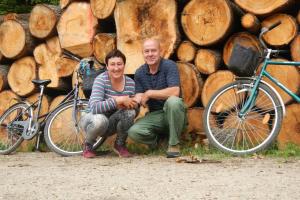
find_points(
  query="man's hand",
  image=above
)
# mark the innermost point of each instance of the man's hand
(145, 97)
(125, 102)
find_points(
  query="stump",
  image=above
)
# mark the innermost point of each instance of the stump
(7, 99)
(20, 75)
(207, 61)
(102, 9)
(103, 43)
(207, 22)
(186, 51)
(295, 48)
(3, 77)
(251, 23)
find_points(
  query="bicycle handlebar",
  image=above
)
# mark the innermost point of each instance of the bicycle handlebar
(266, 29)
(71, 55)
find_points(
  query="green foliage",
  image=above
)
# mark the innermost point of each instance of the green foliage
(21, 6)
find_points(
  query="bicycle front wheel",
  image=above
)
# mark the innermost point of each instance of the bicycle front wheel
(253, 132)
(12, 124)
(63, 134)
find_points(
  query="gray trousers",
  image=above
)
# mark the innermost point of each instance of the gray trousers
(105, 125)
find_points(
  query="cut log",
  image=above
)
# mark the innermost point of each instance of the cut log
(207, 61)
(251, 23)
(103, 43)
(45, 103)
(298, 17)
(195, 116)
(3, 77)
(214, 82)
(242, 38)
(263, 7)
(137, 20)
(290, 130)
(186, 51)
(191, 83)
(7, 99)
(295, 48)
(76, 29)
(102, 9)
(284, 33)
(15, 40)
(20, 75)
(288, 75)
(48, 64)
(64, 3)
(42, 20)
(55, 102)
(207, 22)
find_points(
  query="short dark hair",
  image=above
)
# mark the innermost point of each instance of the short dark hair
(115, 53)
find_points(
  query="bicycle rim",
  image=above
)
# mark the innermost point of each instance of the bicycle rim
(230, 133)
(10, 130)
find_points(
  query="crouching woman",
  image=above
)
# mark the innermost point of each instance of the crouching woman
(112, 108)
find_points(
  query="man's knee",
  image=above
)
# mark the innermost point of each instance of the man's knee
(174, 102)
(133, 133)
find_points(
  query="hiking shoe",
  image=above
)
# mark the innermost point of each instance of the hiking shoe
(173, 151)
(88, 151)
(122, 151)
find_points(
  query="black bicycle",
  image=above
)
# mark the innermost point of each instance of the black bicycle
(61, 126)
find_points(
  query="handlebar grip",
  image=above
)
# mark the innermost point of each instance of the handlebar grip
(274, 25)
(71, 55)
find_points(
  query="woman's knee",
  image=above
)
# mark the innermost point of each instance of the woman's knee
(95, 123)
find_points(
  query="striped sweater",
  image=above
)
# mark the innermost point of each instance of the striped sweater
(101, 100)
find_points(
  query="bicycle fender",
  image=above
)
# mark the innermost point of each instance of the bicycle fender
(271, 87)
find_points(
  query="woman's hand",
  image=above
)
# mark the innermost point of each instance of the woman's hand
(125, 102)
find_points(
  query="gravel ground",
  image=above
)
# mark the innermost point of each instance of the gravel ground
(49, 176)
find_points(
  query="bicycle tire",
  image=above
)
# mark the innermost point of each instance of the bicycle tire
(65, 139)
(255, 132)
(10, 132)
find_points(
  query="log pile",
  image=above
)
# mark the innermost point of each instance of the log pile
(199, 35)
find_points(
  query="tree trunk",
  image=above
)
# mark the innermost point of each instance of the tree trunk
(20, 75)
(76, 29)
(290, 130)
(191, 83)
(214, 82)
(55, 102)
(137, 20)
(284, 33)
(251, 23)
(244, 39)
(207, 22)
(45, 103)
(295, 48)
(263, 7)
(42, 20)
(48, 64)
(102, 9)
(207, 61)
(15, 40)
(103, 44)
(7, 99)
(286, 74)
(186, 51)
(3, 77)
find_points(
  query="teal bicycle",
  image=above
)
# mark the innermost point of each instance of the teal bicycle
(245, 116)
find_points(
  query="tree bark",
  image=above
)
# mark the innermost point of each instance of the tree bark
(251, 23)
(20, 75)
(295, 48)
(103, 43)
(284, 33)
(191, 83)
(42, 20)
(244, 39)
(15, 40)
(103, 9)
(3, 77)
(7, 99)
(290, 130)
(207, 61)
(263, 7)
(76, 29)
(137, 20)
(186, 51)
(207, 22)
(214, 82)
(287, 75)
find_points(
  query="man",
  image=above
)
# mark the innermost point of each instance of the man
(158, 86)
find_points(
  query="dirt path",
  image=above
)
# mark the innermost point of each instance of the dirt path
(48, 176)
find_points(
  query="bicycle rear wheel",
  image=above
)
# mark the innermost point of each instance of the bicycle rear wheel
(242, 135)
(12, 124)
(63, 134)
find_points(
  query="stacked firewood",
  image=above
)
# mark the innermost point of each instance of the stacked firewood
(199, 35)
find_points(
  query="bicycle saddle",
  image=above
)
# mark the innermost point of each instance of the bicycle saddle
(41, 82)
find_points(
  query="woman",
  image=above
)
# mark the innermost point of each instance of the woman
(112, 109)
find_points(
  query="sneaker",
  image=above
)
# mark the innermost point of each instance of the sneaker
(122, 151)
(88, 151)
(173, 151)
